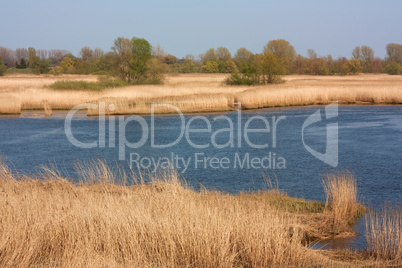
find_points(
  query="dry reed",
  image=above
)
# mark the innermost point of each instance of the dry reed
(185, 104)
(9, 105)
(341, 199)
(49, 221)
(298, 90)
(384, 234)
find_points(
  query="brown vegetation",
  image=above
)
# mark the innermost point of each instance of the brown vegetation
(102, 221)
(9, 105)
(204, 92)
(383, 233)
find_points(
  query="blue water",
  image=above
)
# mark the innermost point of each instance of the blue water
(369, 146)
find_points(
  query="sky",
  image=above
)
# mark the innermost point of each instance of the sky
(193, 26)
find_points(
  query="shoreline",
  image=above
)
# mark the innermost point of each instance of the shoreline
(39, 113)
(199, 93)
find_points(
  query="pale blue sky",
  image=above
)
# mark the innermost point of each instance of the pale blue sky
(182, 27)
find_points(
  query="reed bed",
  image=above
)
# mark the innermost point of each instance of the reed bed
(112, 219)
(384, 233)
(165, 105)
(32, 91)
(9, 105)
(264, 98)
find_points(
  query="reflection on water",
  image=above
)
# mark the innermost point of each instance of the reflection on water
(370, 139)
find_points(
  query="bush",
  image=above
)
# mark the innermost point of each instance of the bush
(240, 80)
(100, 85)
(272, 68)
(19, 71)
(210, 67)
(393, 68)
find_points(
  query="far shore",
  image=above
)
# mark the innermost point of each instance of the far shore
(197, 93)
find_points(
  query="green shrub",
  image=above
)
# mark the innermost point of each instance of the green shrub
(210, 67)
(102, 84)
(3, 68)
(393, 68)
(240, 80)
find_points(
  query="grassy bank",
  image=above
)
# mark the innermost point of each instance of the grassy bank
(198, 92)
(102, 84)
(49, 221)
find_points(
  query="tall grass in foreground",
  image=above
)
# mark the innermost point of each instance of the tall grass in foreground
(341, 199)
(384, 233)
(53, 222)
(47, 220)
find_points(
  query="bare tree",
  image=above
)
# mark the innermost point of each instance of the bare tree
(98, 52)
(42, 54)
(377, 65)
(189, 57)
(21, 53)
(157, 51)
(8, 56)
(86, 53)
(311, 54)
(356, 53)
(57, 55)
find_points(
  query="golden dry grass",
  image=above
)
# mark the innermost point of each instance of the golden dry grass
(309, 90)
(103, 222)
(384, 233)
(206, 92)
(341, 194)
(9, 105)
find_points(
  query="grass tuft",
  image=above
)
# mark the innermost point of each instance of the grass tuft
(341, 200)
(383, 233)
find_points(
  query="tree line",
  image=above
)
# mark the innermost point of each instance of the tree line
(136, 61)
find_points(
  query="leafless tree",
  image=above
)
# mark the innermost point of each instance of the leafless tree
(189, 57)
(21, 53)
(42, 53)
(98, 52)
(86, 53)
(8, 56)
(57, 55)
(157, 51)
